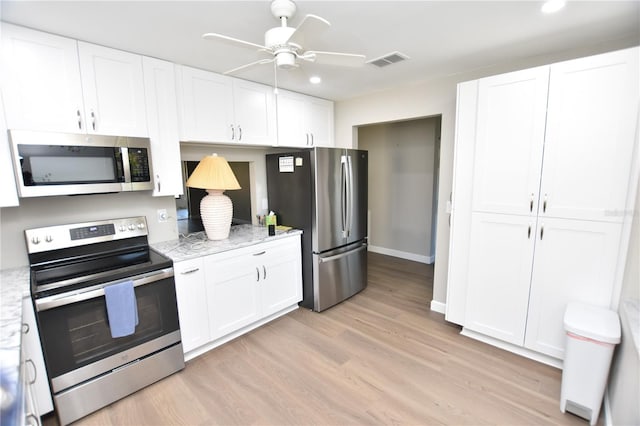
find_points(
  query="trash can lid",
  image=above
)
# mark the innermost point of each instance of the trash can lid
(593, 322)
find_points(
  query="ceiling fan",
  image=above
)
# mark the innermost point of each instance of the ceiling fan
(285, 44)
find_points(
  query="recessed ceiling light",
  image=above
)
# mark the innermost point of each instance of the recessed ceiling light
(315, 80)
(552, 6)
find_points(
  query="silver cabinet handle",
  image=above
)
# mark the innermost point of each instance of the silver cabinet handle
(158, 179)
(529, 232)
(93, 120)
(307, 135)
(25, 328)
(264, 272)
(259, 254)
(79, 119)
(544, 204)
(190, 271)
(542, 231)
(35, 371)
(239, 133)
(257, 274)
(31, 419)
(233, 132)
(312, 142)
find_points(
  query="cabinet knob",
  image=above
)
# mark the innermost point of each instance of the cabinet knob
(25, 328)
(35, 371)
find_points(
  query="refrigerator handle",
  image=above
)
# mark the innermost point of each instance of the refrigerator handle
(349, 195)
(344, 194)
(341, 255)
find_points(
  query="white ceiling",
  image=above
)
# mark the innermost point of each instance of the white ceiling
(440, 37)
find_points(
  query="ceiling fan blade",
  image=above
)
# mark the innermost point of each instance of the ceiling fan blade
(231, 40)
(334, 58)
(260, 62)
(310, 28)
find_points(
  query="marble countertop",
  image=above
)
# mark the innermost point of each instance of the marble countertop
(14, 285)
(197, 244)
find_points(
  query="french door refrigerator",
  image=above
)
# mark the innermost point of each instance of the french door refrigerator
(323, 192)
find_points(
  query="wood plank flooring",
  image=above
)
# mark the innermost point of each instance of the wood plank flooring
(381, 357)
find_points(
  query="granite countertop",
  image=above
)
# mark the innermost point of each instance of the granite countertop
(14, 285)
(197, 244)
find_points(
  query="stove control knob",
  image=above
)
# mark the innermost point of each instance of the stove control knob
(141, 225)
(35, 240)
(48, 238)
(123, 228)
(132, 227)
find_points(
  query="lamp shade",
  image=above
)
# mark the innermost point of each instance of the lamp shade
(216, 209)
(213, 172)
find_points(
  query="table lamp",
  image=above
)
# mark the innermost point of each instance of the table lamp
(214, 174)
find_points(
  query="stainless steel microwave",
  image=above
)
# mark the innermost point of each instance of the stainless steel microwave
(48, 164)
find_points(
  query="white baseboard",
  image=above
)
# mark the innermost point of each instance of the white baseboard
(402, 254)
(527, 353)
(438, 307)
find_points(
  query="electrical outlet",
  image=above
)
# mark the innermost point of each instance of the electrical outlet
(162, 215)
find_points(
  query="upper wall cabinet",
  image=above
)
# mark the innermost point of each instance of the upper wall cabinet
(217, 108)
(53, 83)
(304, 121)
(162, 121)
(8, 191)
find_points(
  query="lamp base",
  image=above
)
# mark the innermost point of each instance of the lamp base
(216, 211)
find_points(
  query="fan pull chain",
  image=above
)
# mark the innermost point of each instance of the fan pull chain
(275, 78)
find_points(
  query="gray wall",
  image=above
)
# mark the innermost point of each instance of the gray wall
(401, 177)
(624, 381)
(47, 211)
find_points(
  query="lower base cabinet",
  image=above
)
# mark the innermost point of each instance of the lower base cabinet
(37, 394)
(222, 295)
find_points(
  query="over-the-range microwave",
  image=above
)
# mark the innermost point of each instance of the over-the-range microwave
(48, 163)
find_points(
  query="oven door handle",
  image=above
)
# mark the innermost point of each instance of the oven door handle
(92, 292)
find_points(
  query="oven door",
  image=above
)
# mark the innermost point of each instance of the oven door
(76, 338)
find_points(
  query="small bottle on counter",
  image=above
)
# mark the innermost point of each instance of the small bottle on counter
(271, 221)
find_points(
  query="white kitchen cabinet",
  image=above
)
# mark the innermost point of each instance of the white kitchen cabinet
(530, 251)
(248, 284)
(576, 261)
(591, 124)
(162, 122)
(191, 294)
(34, 369)
(223, 295)
(113, 89)
(58, 84)
(217, 108)
(41, 82)
(304, 121)
(499, 275)
(8, 190)
(509, 141)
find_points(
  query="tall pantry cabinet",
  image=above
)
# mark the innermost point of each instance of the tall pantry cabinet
(545, 168)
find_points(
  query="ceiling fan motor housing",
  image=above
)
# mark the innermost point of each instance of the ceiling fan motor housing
(283, 8)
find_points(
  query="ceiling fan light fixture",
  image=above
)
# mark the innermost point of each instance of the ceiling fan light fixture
(286, 60)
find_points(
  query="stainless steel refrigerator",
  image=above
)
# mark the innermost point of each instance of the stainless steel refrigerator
(323, 191)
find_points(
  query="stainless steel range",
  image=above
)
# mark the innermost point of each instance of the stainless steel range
(71, 266)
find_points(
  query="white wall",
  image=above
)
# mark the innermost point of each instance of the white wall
(430, 98)
(401, 176)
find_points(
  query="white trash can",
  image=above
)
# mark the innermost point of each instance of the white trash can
(592, 333)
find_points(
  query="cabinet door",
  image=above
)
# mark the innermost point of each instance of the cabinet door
(281, 281)
(232, 292)
(292, 128)
(193, 311)
(205, 105)
(113, 89)
(500, 258)
(41, 82)
(8, 190)
(575, 260)
(509, 141)
(320, 122)
(593, 104)
(255, 113)
(34, 360)
(162, 121)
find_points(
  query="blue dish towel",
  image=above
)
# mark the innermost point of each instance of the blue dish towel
(122, 309)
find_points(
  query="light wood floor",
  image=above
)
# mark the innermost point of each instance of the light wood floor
(382, 357)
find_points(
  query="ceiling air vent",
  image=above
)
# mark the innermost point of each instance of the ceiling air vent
(388, 59)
